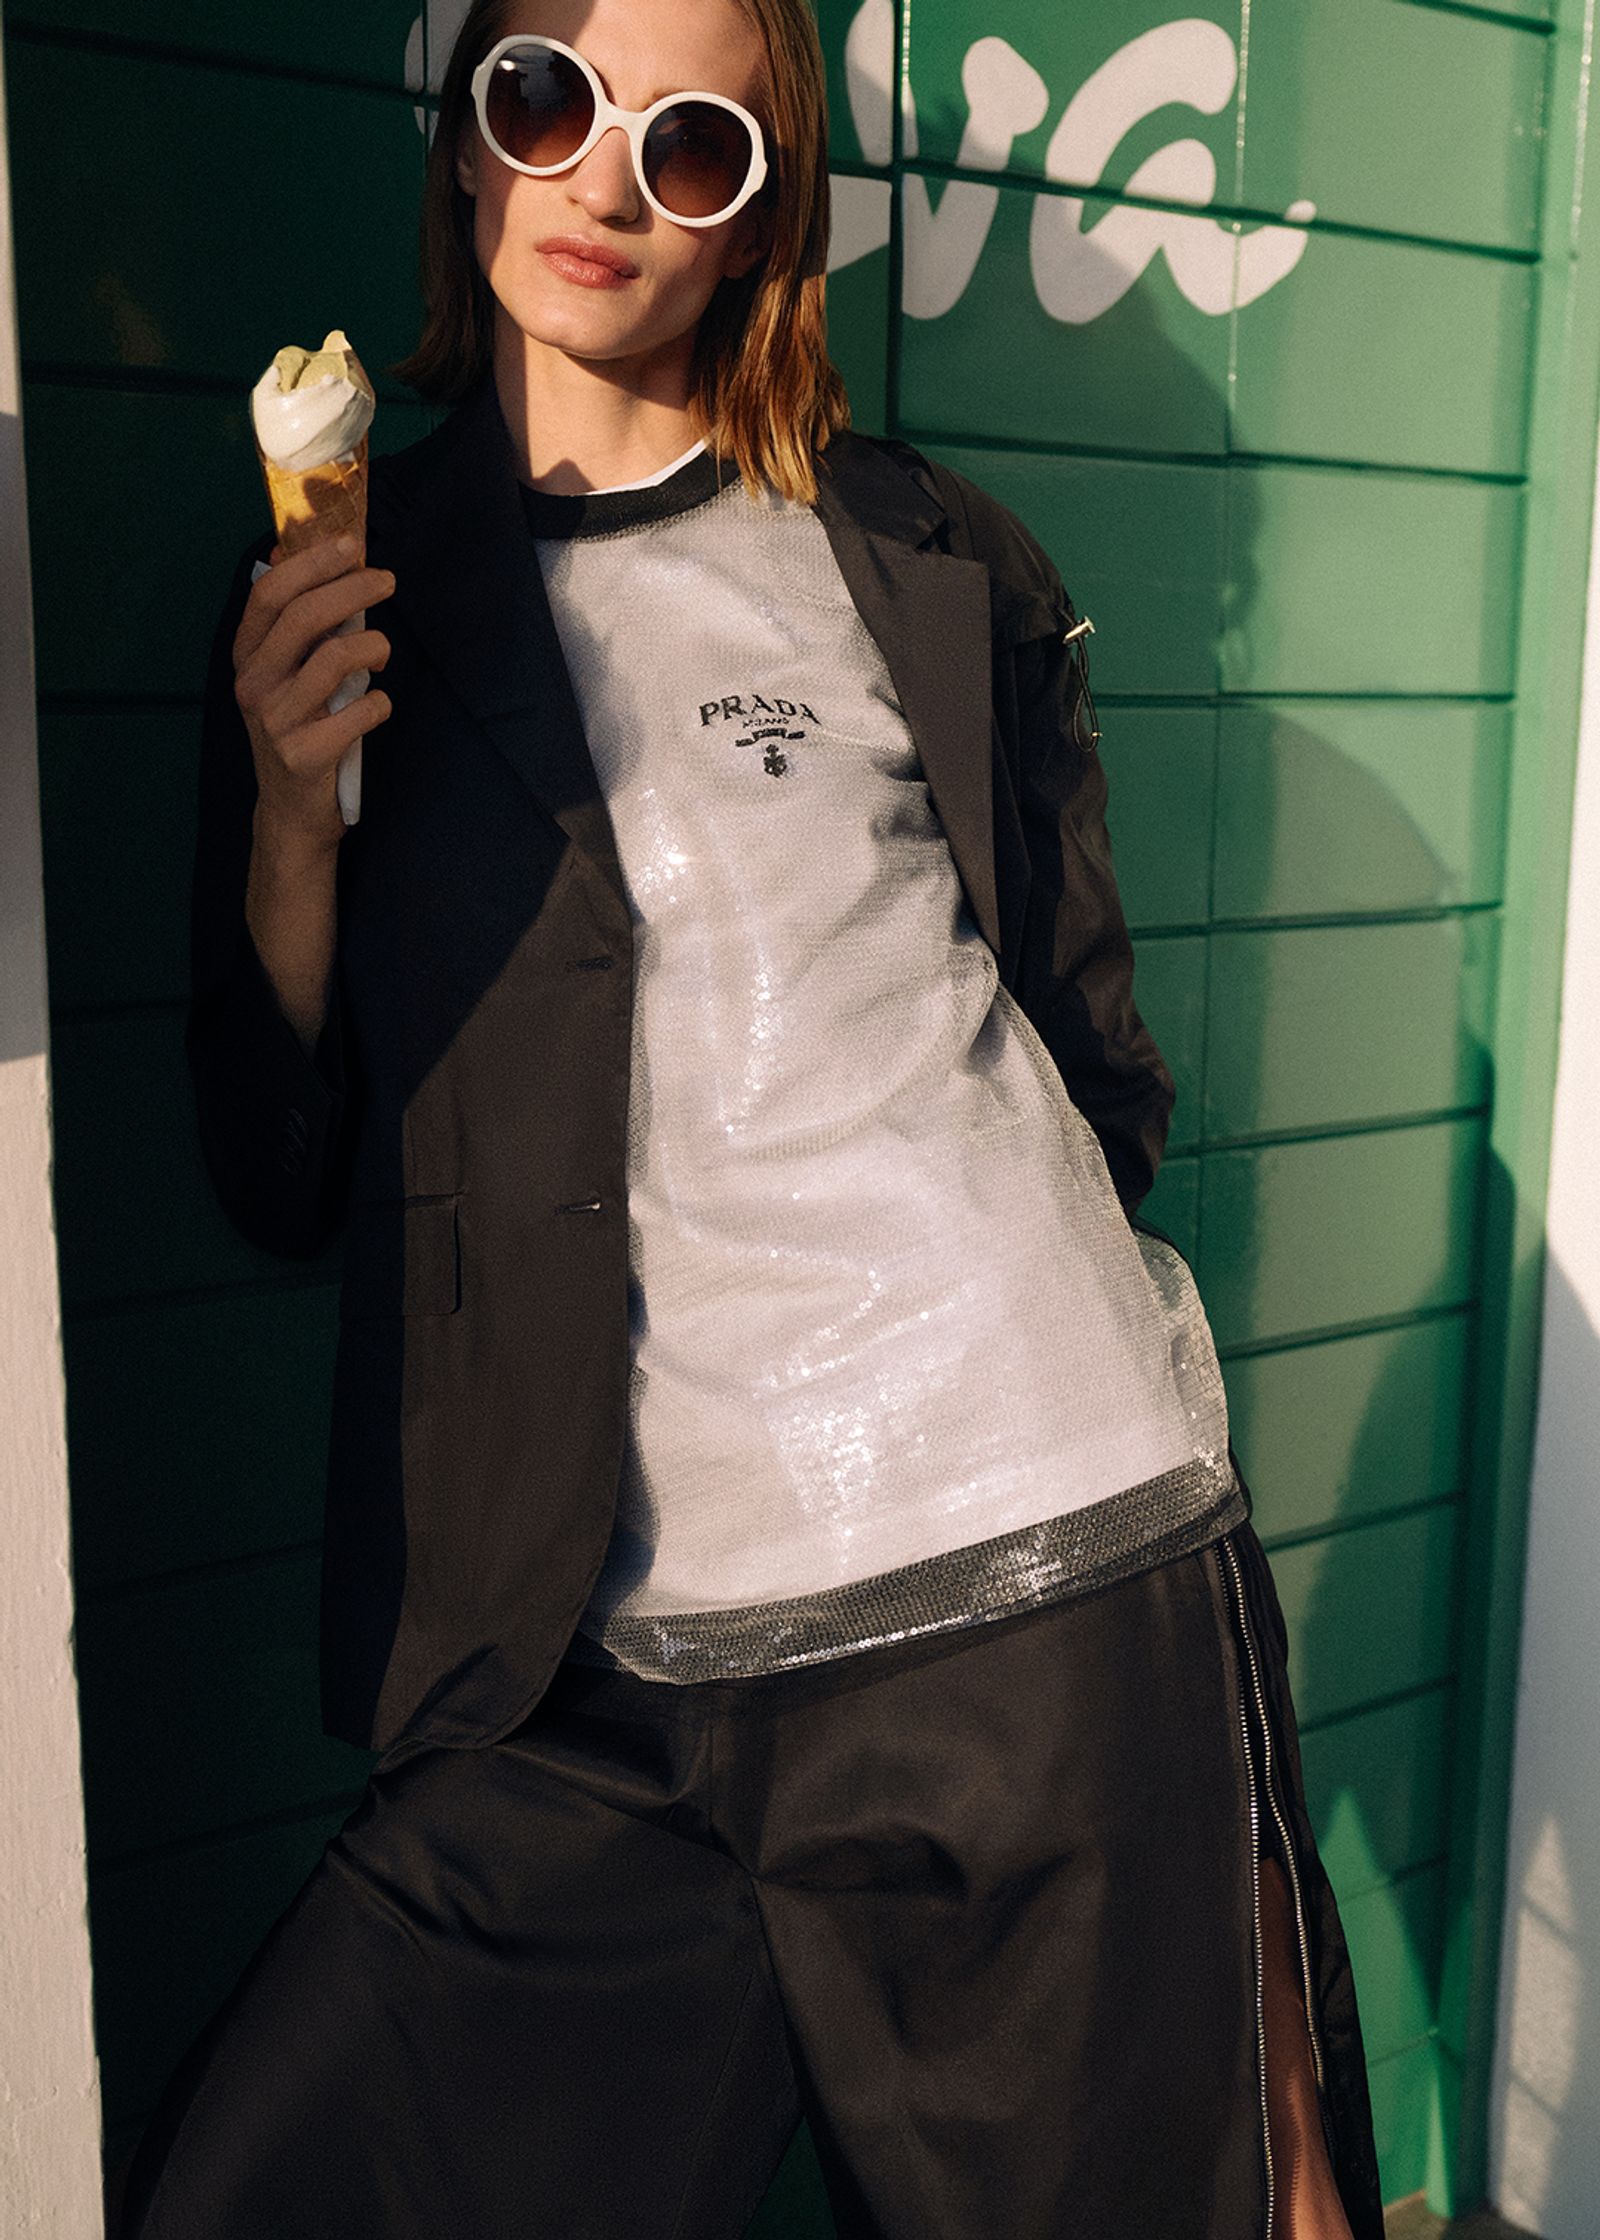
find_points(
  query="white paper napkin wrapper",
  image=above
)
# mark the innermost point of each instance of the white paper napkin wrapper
(349, 774)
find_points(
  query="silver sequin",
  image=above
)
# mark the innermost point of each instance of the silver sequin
(899, 1363)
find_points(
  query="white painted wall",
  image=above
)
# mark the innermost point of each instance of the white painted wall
(1545, 2137)
(49, 2086)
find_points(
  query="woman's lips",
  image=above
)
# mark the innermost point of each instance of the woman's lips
(590, 268)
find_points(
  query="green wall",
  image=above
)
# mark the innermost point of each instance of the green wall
(1286, 468)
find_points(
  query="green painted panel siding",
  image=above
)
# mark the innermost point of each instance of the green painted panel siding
(1330, 806)
(1141, 547)
(1338, 1229)
(1375, 1782)
(1396, 1935)
(154, 597)
(1322, 1026)
(1369, 1611)
(200, 1705)
(1279, 459)
(1274, 579)
(92, 153)
(858, 329)
(1172, 999)
(1405, 119)
(1161, 766)
(183, 1451)
(1446, 389)
(172, 1931)
(118, 808)
(1351, 1427)
(366, 41)
(1460, 163)
(996, 362)
(1371, 583)
(122, 1107)
(1174, 1204)
(1065, 48)
(1406, 2091)
(797, 2201)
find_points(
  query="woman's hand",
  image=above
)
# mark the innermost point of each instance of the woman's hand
(287, 666)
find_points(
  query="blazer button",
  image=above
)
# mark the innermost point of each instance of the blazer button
(581, 1205)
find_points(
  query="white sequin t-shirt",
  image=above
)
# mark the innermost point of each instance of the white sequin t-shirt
(899, 1363)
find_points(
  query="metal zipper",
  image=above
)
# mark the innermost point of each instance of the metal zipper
(1288, 1847)
(1255, 1904)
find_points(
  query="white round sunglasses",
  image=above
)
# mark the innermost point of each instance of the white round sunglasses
(698, 157)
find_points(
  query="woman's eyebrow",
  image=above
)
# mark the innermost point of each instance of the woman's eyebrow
(676, 87)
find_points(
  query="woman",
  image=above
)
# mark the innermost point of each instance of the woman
(782, 1532)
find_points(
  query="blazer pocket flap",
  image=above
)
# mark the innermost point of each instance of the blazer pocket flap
(402, 1256)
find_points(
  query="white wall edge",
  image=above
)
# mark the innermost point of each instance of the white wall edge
(49, 2083)
(1545, 2097)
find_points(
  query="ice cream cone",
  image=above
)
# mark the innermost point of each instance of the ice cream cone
(313, 409)
(325, 501)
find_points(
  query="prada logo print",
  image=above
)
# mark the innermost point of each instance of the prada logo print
(767, 723)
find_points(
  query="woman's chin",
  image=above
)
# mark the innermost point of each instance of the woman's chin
(601, 330)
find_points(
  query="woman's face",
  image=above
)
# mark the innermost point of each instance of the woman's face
(640, 49)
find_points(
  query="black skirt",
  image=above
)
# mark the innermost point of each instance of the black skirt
(982, 1906)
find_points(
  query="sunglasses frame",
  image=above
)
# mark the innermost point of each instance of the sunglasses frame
(634, 122)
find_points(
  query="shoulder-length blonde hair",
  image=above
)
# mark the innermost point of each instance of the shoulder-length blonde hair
(763, 388)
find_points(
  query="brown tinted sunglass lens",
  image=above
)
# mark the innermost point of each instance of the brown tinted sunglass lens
(696, 158)
(539, 105)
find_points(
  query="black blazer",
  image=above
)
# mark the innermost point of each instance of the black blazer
(463, 1118)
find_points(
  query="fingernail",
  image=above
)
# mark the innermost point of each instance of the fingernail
(345, 547)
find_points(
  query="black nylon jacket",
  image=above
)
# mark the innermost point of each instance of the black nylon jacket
(462, 1119)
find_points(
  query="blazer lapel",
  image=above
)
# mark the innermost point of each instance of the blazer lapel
(449, 520)
(929, 612)
(469, 587)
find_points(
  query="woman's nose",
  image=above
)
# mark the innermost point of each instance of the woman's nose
(605, 182)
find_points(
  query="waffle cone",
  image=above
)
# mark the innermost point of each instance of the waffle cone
(319, 503)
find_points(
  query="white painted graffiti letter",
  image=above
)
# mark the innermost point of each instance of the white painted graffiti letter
(1078, 276)
(1005, 97)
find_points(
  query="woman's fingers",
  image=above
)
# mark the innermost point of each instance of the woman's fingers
(291, 654)
(326, 740)
(301, 698)
(309, 754)
(284, 582)
(308, 617)
(288, 655)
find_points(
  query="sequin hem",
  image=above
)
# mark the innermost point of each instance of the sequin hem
(1047, 1562)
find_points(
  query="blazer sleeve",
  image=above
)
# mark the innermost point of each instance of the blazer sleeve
(1075, 979)
(273, 1121)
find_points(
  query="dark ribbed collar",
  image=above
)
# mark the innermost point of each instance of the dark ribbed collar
(470, 594)
(591, 513)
